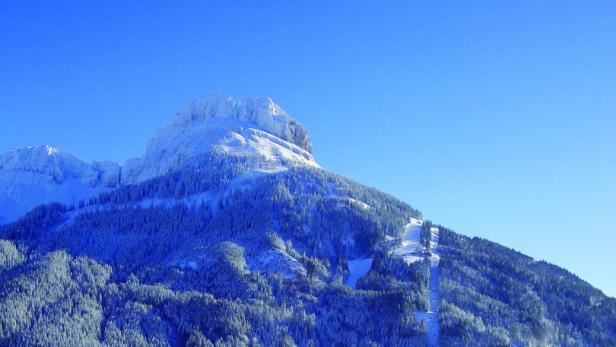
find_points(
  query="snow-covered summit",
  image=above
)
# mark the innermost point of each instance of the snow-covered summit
(264, 113)
(40, 174)
(58, 166)
(42, 159)
(255, 126)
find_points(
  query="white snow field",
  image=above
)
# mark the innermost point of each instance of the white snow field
(32, 176)
(410, 242)
(410, 251)
(357, 269)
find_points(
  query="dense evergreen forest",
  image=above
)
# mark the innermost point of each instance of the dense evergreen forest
(493, 295)
(237, 256)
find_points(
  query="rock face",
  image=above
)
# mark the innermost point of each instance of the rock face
(256, 127)
(262, 112)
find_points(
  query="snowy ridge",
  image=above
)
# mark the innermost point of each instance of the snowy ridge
(35, 175)
(59, 166)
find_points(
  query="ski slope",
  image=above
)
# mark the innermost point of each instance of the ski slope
(411, 251)
(431, 317)
(410, 242)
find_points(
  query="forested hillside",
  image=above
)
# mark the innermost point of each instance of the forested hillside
(493, 295)
(230, 257)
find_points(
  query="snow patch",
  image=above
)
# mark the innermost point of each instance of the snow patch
(32, 176)
(21, 191)
(255, 141)
(361, 204)
(278, 261)
(410, 248)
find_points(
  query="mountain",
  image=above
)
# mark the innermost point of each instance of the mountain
(227, 232)
(254, 127)
(34, 175)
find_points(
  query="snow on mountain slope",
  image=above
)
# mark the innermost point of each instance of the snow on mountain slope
(214, 123)
(410, 247)
(179, 145)
(411, 251)
(254, 127)
(34, 175)
(254, 141)
(279, 261)
(262, 112)
(49, 161)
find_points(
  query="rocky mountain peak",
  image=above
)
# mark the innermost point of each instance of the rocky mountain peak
(263, 112)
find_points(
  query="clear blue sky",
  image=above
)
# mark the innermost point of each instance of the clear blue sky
(495, 118)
